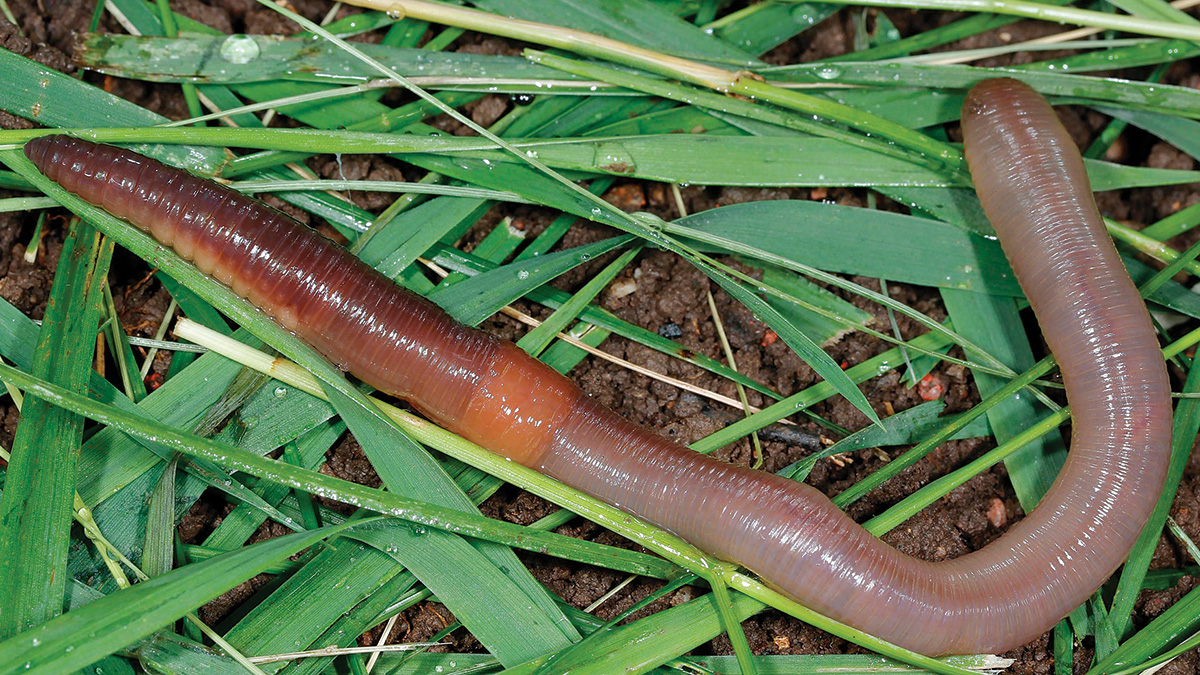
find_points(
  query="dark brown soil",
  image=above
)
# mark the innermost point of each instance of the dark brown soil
(668, 293)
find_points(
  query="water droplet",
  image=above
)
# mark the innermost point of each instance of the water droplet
(829, 73)
(523, 274)
(239, 49)
(280, 392)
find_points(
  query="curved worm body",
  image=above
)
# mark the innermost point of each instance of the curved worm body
(1032, 184)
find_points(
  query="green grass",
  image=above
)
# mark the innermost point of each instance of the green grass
(602, 111)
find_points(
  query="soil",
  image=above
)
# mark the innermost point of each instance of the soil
(670, 297)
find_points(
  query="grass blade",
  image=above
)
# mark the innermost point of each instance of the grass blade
(104, 626)
(35, 511)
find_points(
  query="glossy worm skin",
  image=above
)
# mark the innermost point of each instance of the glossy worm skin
(1031, 181)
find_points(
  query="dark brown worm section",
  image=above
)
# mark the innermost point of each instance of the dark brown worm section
(1033, 186)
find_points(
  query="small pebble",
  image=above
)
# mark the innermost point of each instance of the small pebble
(670, 330)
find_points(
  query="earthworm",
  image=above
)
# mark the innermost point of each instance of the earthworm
(1031, 181)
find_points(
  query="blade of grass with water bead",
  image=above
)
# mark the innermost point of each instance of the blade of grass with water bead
(103, 626)
(770, 161)
(316, 597)
(539, 338)
(935, 37)
(393, 120)
(165, 652)
(15, 204)
(735, 109)
(475, 299)
(245, 59)
(1166, 629)
(241, 523)
(749, 161)
(1125, 93)
(1119, 58)
(762, 27)
(956, 206)
(592, 113)
(679, 120)
(660, 637)
(1048, 12)
(626, 20)
(35, 512)
(365, 615)
(495, 247)
(158, 552)
(992, 322)
(11, 181)
(1155, 9)
(954, 259)
(455, 664)
(843, 239)
(908, 107)
(1182, 133)
(820, 328)
(409, 235)
(563, 356)
(122, 353)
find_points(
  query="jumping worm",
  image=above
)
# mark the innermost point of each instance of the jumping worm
(1031, 181)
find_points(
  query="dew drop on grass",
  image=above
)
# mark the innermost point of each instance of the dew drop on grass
(240, 49)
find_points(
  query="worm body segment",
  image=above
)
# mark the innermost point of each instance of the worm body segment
(1031, 181)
